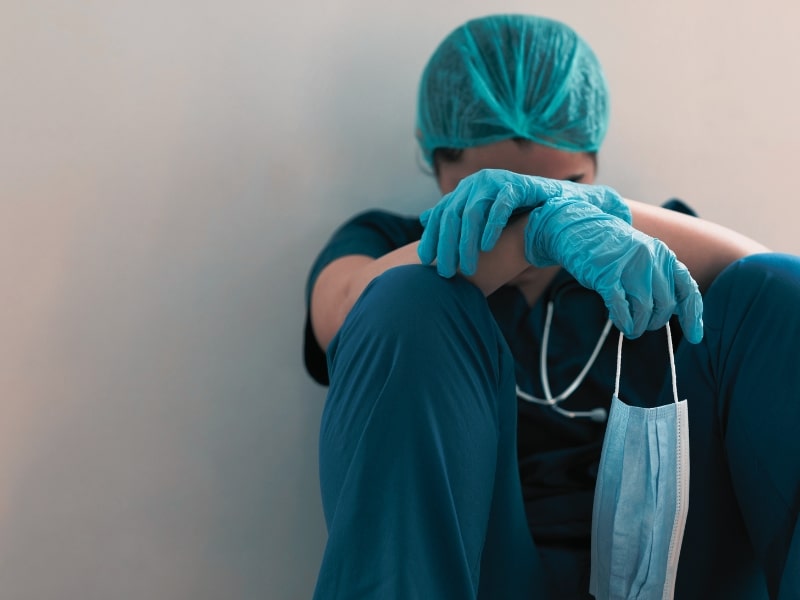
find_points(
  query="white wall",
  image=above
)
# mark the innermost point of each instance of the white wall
(168, 171)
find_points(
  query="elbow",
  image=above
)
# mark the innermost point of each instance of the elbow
(327, 317)
(325, 327)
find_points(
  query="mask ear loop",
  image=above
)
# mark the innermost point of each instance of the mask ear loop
(619, 364)
(671, 364)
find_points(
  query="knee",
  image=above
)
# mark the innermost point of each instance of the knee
(758, 286)
(783, 269)
(411, 316)
(415, 298)
(416, 337)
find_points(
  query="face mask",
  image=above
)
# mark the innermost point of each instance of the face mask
(641, 498)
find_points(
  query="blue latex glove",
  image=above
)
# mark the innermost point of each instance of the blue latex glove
(641, 281)
(471, 218)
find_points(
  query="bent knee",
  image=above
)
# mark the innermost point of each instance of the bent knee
(415, 294)
(414, 310)
(759, 285)
(413, 326)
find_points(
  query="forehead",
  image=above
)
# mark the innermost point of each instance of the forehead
(529, 158)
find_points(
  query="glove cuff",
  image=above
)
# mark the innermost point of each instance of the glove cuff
(556, 218)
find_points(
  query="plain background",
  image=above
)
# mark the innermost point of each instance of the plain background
(168, 171)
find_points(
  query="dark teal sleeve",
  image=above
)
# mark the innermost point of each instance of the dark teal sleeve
(373, 233)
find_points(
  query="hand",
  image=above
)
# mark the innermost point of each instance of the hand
(472, 217)
(641, 281)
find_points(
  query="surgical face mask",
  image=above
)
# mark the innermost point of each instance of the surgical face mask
(641, 497)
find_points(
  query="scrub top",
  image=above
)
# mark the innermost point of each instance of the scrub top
(558, 456)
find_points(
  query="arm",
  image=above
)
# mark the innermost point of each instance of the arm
(341, 283)
(704, 247)
(639, 271)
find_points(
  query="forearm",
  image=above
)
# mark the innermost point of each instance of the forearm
(341, 283)
(704, 247)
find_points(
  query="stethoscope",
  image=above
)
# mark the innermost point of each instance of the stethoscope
(598, 414)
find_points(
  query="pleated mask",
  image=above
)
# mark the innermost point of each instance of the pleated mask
(641, 497)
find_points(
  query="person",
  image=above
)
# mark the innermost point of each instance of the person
(461, 438)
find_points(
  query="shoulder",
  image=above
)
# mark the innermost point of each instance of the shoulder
(392, 226)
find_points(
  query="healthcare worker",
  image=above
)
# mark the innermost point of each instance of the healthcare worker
(472, 356)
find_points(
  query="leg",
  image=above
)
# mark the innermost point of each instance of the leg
(418, 450)
(743, 387)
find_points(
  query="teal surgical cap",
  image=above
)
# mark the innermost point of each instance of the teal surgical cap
(512, 76)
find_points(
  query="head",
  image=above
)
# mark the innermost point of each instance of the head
(518, 92)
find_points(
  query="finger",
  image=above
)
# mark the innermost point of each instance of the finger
(427, 248)
(430, 236)
(425, 217)
(690, 316)
(447, 251)
(472, 228)
(641, 310)
(690, 304)
(661, 314)
(662, 284)
(499, 214)
(619, 310)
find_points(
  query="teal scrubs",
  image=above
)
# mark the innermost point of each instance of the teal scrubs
(437, 482)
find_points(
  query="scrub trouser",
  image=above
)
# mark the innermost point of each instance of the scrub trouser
(418, 467)
(742, 384)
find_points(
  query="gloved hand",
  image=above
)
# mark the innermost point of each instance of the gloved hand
(641, 281)
(472, 217)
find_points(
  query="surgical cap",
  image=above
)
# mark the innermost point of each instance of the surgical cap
(512, 76)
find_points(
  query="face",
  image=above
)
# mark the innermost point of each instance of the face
(524, 157)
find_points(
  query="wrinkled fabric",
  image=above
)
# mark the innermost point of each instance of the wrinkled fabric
(742, 535)
(512, 76)
(641, 281)
(640, 502)
(471, 218)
